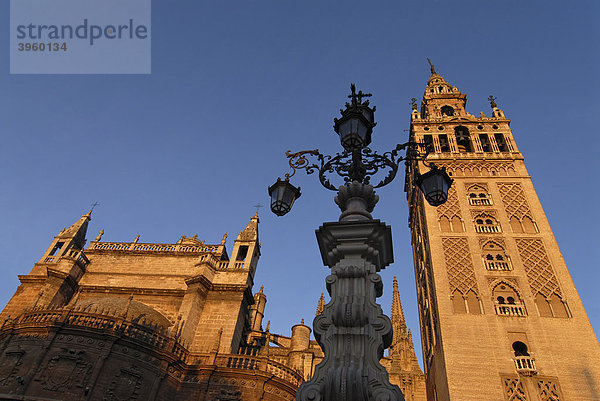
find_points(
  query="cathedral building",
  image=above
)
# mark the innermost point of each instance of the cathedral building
(148, 321)
(500, 316)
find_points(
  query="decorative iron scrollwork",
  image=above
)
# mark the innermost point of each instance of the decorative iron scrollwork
(360, 165)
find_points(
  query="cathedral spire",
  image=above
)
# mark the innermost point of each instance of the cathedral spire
(69, 238)
(398, 321)
(321, 304)
(250, 233)
(402, 350)
(78, 230)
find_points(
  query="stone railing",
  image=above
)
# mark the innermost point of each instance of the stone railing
(480, 201)
(76, 254)
(141, 247)
(487, 228)
(525, 365)
(284, 372)
(224, 264)
(80, 257)
(497, 265)
(146, 333)
(211, 259)
(260, 363)
(510, 310)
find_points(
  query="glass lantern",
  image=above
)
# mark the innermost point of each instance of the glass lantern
(283, 194)
(435, 185)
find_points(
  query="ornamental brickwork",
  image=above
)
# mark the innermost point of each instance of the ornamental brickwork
(500, 316)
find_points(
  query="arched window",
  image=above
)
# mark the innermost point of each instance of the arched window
(463, 139)
(515, 224)
(525, 364)
(529, 226)
(559, 308)
(494, 257)
(473, 303)
(453, 225)
(444, 146)
(486, 224)
(445, 224)
(465, 304)
(520, 348)
(526, 225)
(428, 141)
(479, 196)
(458, 302)
(486, 146)
(457, 225)
(447, 111)
(507, 301)
(543, 306)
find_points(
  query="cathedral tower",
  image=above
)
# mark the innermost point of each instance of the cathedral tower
(500, 316)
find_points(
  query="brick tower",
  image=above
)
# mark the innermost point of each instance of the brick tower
(500, 316)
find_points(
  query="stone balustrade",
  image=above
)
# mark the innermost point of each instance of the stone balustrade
(525, 365)
(497, 265)
(146, 334)
(150, 247)
(510, 310)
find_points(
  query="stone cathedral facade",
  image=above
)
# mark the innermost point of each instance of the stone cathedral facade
(500, 316)
(146, 321)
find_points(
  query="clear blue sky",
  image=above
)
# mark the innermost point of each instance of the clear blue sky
(190, 148)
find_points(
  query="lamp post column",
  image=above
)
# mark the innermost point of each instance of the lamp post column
(352, 330)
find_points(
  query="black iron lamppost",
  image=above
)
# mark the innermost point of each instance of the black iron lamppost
(352, 330)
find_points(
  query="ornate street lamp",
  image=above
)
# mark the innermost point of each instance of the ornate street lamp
(352, 330)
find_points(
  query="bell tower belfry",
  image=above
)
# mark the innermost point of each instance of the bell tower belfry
(55, 277)
(500, 316)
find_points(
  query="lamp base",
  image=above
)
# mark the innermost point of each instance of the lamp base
(352, 330)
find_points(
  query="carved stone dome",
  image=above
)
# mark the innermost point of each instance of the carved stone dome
(137, 312)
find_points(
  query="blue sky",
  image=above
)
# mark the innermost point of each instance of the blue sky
(191, 147)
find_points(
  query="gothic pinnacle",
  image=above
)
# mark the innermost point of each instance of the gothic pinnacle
(320, 305)
(398, 320)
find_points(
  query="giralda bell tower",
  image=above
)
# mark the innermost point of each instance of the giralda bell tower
(500, 316)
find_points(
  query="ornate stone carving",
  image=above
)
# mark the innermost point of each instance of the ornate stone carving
(10, 366)
(356, 201)
(67, 371)
(514, 389)
(514, 200)
(548, 390)
(229, 395)
(352, 329)
(486, 212)
(499, 241)
(481, 168)
(537, 266)
(125, 385)
(451, 208)
(459, 265)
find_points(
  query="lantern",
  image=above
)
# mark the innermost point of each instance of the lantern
(435, 184)
(283, 194)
